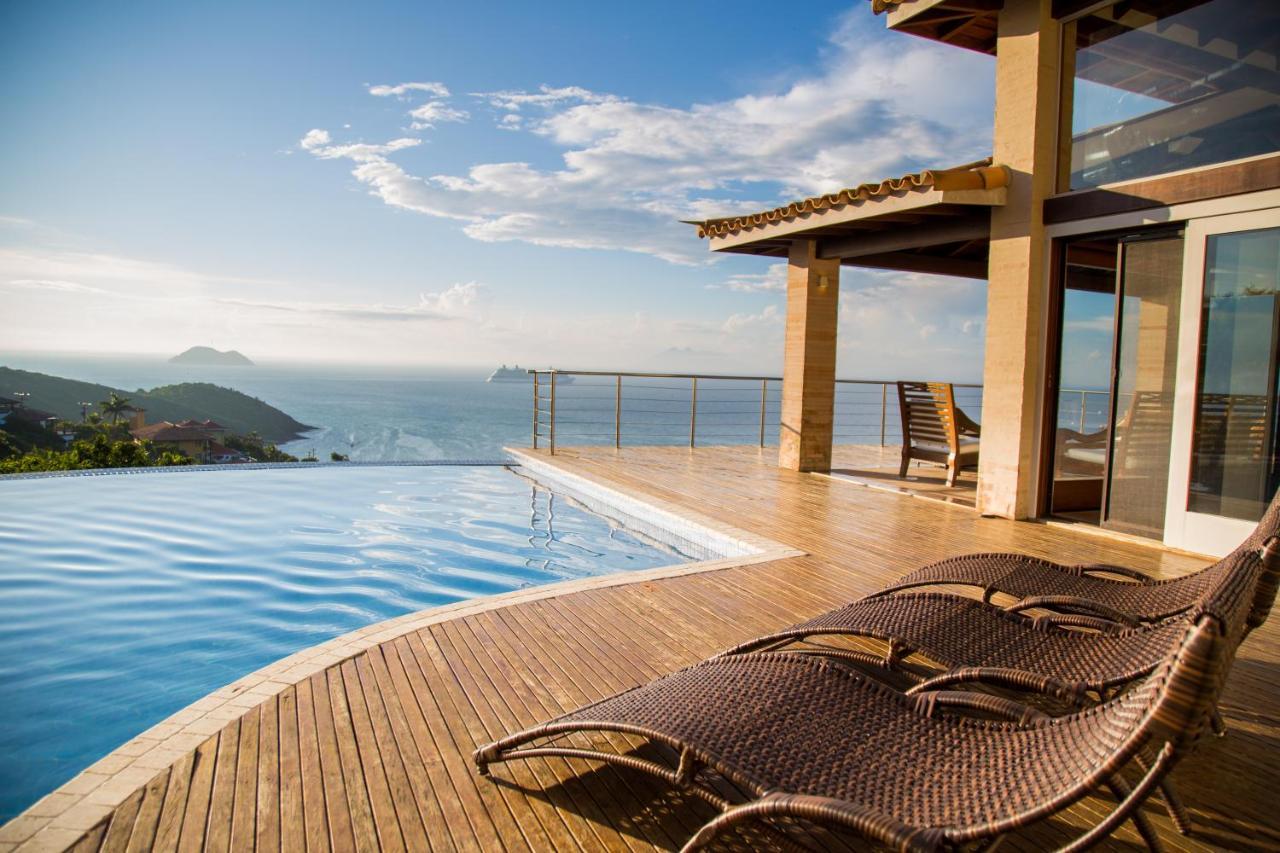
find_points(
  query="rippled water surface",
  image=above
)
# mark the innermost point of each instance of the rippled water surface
(124, 598)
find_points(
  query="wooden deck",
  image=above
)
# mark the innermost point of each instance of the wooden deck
(372, 751)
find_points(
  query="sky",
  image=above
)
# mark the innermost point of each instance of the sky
(462, 183)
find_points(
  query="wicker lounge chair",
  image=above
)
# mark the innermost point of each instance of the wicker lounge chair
(809, 740)
(934, 429)
(1111, 592)
(975, 641)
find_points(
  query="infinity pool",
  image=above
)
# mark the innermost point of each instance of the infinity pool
(126, 597)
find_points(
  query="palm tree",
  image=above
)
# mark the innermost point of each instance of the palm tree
(115, 407)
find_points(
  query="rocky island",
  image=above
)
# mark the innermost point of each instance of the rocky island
(210, 357)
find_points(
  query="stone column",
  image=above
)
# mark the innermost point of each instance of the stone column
(809, 367)
(1028, 61)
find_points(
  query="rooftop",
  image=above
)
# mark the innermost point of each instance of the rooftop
(168, 431)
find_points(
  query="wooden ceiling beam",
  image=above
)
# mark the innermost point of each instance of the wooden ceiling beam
(975, 227)
(914, 262)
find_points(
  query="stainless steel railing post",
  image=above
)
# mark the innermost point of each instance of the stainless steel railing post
(1084, 395)
(884, 405)
(693, 413)
(535, 410)
(553, 413)
(617, 413)
(764, 401)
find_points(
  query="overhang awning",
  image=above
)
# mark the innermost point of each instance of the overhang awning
(937, 220)
(964, 23)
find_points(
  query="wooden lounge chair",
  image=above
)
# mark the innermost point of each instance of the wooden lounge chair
(1110, 592)
(934, 430)
(810, 740)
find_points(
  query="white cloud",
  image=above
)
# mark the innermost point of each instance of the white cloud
(399, 90)
(458, 302)
(56, 286)
(318, 141)
(631, 170)
(546, 96)
(429, 114)
(60, 269)
(880, 310)
(772, 280)
(738, 323)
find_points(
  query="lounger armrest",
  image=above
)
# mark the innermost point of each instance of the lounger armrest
(987, 703)
(1073, 604)
(1119, 571)
(966, 425)
(870, 824)
(1017, 679)
(1080, 620)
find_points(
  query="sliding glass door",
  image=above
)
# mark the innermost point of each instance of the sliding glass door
(1227, 425)
(1145, 368)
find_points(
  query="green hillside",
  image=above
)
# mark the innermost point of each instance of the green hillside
(239, 412)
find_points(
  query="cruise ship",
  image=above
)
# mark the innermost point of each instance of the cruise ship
(519, 374)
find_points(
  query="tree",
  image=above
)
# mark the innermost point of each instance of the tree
(115, 406)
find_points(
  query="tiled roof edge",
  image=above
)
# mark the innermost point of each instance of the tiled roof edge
(971, 176)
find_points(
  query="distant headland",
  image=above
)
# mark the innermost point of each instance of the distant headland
(210, 357)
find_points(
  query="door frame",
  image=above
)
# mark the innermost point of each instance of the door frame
(1188, 213)
(1194, 531)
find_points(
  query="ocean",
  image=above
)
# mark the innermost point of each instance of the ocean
(451, 414)
(368, 414)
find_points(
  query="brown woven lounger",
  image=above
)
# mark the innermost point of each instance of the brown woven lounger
(979, 642)
(813, 741)
(1087, 589)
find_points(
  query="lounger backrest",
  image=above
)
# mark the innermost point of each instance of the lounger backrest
(1210, 580)
(1244, 591)
(928, 413)
(1264, 596)
(1171, 706)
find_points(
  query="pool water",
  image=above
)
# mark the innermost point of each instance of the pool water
(124, 598)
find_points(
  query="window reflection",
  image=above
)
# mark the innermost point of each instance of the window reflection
(1234, 470)
(1162, 86)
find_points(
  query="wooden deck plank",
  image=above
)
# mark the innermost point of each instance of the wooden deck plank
(544, 697)
(292, 823)
(386, 815)
(222, 796)
(145, 825)
(331, 709)
(121, 827)
(195, 816)
(169, 824)
(488, 816)
(267, 835)
(467, 732)
(554, 813)
(586, 680)
(320, 780)
(421, 820)
(375, 751)
(244, 803)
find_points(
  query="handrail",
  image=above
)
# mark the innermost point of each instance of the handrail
(726, 376)
(592, 424)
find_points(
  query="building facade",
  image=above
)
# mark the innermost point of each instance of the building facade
(1128, 227)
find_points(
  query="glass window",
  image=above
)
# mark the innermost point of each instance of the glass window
(1175, 84)
(1234, 468)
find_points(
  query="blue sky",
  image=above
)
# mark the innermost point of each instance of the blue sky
(460, 183)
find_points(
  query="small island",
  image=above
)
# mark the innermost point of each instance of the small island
(210, 357)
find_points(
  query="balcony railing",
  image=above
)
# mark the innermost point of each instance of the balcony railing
(590, 407)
